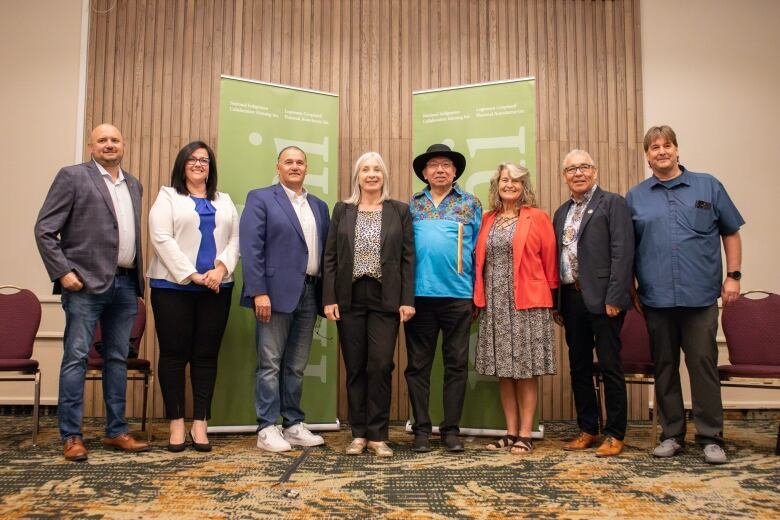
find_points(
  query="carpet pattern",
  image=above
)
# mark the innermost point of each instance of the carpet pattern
(239, 481)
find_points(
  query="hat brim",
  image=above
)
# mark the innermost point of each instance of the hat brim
(421, 160)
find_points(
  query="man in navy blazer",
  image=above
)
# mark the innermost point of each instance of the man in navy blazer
(89, 236)
(596, 254)
(282, 236)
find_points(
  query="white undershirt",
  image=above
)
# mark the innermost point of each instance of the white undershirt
(123, 207)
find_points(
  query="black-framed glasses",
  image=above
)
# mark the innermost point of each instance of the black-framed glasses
(584, 168)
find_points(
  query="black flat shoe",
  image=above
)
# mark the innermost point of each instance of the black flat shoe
(452, 443)
(176, 448)
(198, 446)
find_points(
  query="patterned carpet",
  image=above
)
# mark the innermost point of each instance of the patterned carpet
(238, 481)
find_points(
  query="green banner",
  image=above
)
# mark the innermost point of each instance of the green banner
(256, 121)
(489, 124)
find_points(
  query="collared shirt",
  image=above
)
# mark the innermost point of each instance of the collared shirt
(678, 225)
(125, 218)
(571, 237)
(309, 226)
(444, 237)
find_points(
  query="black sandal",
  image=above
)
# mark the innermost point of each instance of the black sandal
(504, 443)
(522, 446)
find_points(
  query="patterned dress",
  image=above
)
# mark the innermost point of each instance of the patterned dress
(512, 343)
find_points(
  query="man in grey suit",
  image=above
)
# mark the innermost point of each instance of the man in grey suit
(596, 253)
(89, 236)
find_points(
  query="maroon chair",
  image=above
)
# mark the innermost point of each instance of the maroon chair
(752, 329)
(20, 317)
(636, 356)
(138, 369)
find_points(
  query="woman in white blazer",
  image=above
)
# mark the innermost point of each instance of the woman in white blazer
(194, 232)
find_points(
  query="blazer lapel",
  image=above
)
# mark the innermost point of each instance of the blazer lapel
(388, 212)
(100, 184)
(560, 222)
(350, 220)
(521, 231)
(284, 202)
(592, 205)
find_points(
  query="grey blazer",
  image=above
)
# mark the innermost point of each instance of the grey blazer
(77, 228)
(605, 251)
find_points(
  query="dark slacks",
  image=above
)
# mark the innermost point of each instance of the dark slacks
(368, 335)
(452, 317)
(584, 331)
(189, 328)
(694, 330)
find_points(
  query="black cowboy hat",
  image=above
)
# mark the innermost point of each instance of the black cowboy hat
(439, 150)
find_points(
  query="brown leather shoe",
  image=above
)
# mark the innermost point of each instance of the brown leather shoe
(74, 449)
(582, 442)
(125, 442)
(611, 447)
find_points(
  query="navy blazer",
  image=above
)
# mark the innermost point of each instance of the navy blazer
(605, 251)
(273, 251)
(77, 228)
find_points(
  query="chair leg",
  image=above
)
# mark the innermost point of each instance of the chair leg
(36, 406)
(598, 388)
(148, 385)
(654, 430)
(777, 448)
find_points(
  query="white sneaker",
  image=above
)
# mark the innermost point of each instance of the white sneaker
(270, 439)
(299, 435)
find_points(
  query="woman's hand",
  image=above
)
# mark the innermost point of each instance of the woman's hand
(213, 277)
(406, 312)
(558, 318)
(332, 312)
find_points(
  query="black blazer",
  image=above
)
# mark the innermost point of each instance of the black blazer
(396, 256)
(605, 251)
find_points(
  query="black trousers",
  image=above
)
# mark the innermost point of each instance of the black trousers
(452, 317)
(693, 329)
(368, 335)
(584, 331)
(189, 328)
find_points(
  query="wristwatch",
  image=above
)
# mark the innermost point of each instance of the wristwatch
(736, 275)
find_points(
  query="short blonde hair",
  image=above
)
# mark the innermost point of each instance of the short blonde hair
(354, 197)
(516, 172)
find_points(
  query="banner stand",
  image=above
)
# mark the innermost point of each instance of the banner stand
(324, 427)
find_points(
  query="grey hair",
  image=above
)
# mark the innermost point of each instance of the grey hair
(354, 197)
(516, 172)
(576, 152)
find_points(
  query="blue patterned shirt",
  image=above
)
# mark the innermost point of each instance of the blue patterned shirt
(444, 238)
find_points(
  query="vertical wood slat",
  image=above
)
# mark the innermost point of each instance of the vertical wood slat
(154, 66)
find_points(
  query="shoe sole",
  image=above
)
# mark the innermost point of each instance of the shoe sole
(305, 445)
(577, 449)
(667, 456)
(426, 449)
(273, 450)
(716, 462)
(604, 455)
(455, 450)
(78, 458)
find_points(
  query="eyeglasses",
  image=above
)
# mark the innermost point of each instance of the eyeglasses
(192, 161)
(584, 168)
(439, 164)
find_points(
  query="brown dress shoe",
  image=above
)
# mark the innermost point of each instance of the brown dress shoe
(611, 447)
(125, 442)
(582, 442)
(74, 449)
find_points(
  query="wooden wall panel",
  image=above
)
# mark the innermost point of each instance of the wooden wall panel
(154, 68)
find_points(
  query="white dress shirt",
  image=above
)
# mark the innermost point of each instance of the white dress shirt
(309, 226)
(125, 219)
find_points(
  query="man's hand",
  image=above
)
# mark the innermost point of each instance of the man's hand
(406, 312)
(729, 291)
(558, 318)
(263, 308)
(332, 312)
(71, 282)
(611, 310)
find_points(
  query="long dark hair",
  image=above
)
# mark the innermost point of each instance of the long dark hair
(179, 177)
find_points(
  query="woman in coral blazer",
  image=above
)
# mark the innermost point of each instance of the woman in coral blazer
(516, 276)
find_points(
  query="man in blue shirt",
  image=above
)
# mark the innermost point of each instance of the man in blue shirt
(680, 218)
(446, 221)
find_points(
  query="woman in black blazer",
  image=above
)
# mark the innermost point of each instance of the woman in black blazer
(368, 289)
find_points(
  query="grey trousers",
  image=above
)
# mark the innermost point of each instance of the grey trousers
(693, 329)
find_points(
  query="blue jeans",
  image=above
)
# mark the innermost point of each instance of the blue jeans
(283, 346)
(116, 309)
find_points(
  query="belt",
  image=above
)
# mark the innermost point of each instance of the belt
(125, 271)
(575, 286)
(310, 279)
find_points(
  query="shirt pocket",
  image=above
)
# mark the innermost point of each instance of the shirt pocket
(700, 220)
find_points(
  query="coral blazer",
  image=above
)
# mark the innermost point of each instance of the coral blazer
(534, 260)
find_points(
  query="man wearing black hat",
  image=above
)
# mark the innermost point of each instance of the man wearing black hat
(446, 222)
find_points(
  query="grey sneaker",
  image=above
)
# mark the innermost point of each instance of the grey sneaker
(667, 448)
(714, 454)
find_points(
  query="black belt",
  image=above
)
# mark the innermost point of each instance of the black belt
(575, 286)
(310, 279)
(125, 271)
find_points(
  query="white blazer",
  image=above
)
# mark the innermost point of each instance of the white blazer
(174, 228)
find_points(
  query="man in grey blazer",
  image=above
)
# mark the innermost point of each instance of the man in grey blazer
(596, 253)
(89, 236)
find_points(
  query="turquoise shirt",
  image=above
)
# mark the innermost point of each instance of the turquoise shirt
(444, 238)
